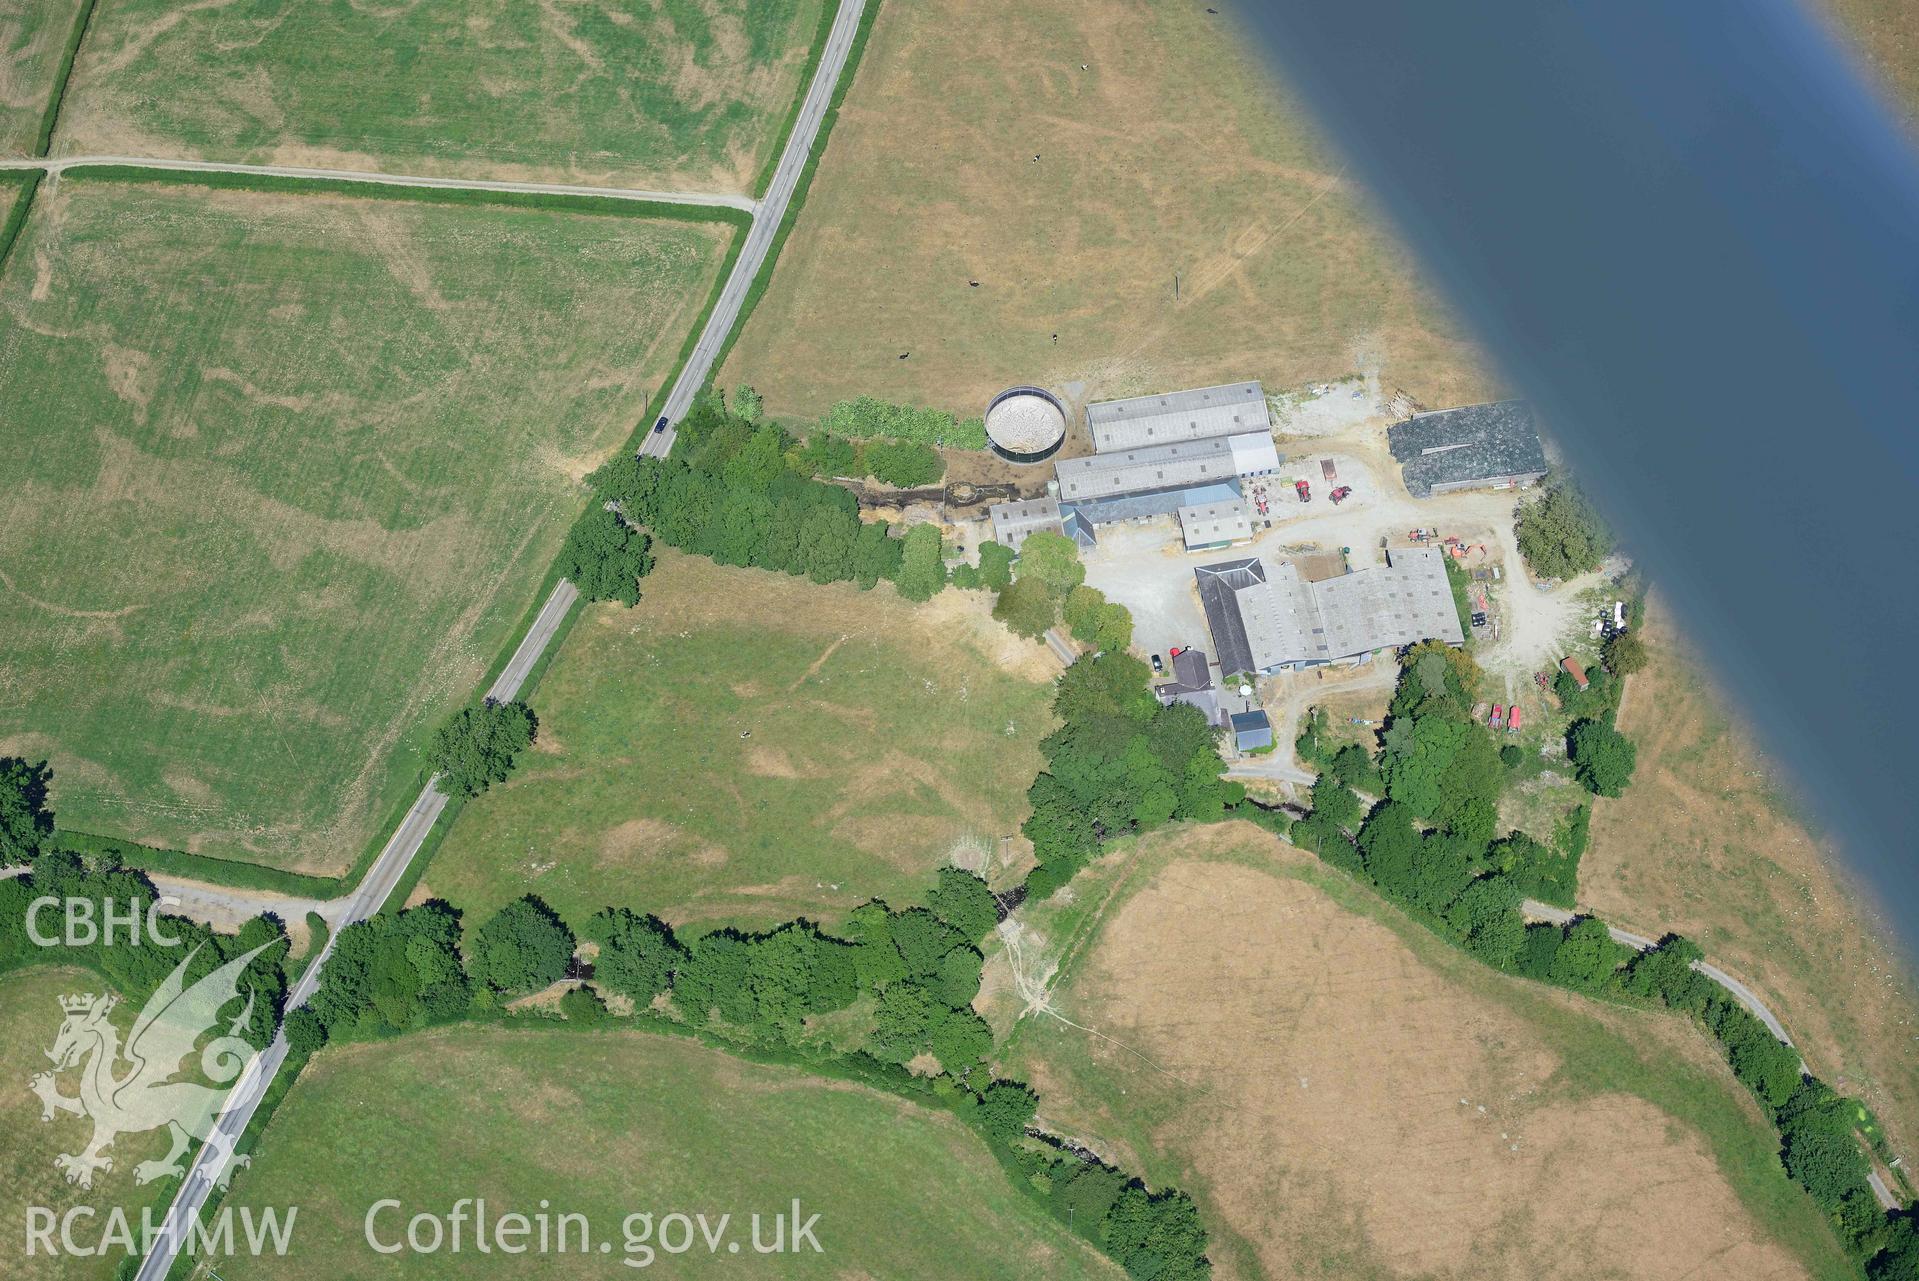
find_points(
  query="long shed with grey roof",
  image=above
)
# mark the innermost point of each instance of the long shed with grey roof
(1490, 446)
(1142, 421)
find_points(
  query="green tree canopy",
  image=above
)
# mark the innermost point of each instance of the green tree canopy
(1053, 559)
(921, 573)
(478, 747)
(638, 954)
(1027, 608)
(605, 557)
(963, 901)
(1625, 653)
(1603, 758)
(26, 822)
(520, 948)
(1560, 534)
(995, 565)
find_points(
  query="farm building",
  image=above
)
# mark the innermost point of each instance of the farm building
(1492, 446)
(1192, 684)
(1012, 522)
(1577, 670)
(1212, 525)
(1144, 421)
(1271, 619)
(1136, 483)
(1252, 731)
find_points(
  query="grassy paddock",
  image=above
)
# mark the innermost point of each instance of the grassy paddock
(37, 39)
(689, 95)
(762, 281)
(265, 533)
(879, 738)
(16, 201)
(612, 1123)
(1230, 985)
(930, 184)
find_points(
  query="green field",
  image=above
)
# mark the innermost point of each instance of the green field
(284, 475)
(616, 1123)
(33, 36)
(882, 737)
(686, 95)
(29, 1020)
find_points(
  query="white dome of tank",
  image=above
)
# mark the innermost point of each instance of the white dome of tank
(1025, 424)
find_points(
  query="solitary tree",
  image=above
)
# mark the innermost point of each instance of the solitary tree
(1560, 534)
(478, 747)
(1625, 653)
(1602, 757)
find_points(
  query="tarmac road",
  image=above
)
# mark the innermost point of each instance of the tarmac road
(209, 1162)
(759, 239)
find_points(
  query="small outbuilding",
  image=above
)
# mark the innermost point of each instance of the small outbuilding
(1252, 731)
(1208, 526)
(1575, 669)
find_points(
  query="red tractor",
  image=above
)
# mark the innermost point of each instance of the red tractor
(1339, 495)
(1304, 490)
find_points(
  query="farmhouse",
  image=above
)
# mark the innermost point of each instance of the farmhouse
(1012, 522)
(1143, 421)
(1271, 619)
(1492, 446)
(1192, 684)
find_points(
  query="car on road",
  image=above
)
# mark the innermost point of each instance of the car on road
(660, 425)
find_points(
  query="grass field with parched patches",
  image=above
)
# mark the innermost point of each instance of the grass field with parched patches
(284, 475)
(30, 1018)
(1072, 165)
(746, 746)
(690, 94)
(1349, 1097)
(614, 1123)
(33, 34)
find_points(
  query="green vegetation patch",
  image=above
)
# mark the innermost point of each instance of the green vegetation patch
(34, 37)
(686, 95)
(610, 1123)
(745, 745)
(30, 1017)
(285, 472)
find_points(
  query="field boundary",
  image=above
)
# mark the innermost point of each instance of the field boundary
(764, 278)
(19, 206)
(817, 50)
(611, 200)
(50, 117)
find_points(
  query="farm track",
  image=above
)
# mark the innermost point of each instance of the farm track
(53, 167)
(210, 1162)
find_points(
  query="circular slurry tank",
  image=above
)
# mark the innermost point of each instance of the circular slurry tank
(1025, 424)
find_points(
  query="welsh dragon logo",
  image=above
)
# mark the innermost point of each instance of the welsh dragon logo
(141, 1096)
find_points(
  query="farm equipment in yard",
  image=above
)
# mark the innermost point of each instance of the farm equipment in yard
(1512, 719)
(1339, 495)
(1326, 470)
(1304, 490)
(1421, 535)
(1498, 718)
